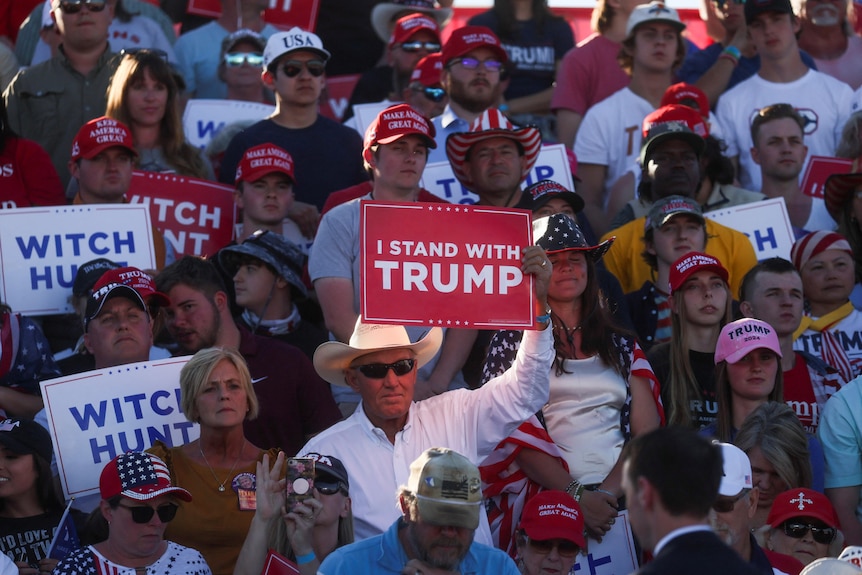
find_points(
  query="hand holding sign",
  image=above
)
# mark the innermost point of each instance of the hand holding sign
(536, 262)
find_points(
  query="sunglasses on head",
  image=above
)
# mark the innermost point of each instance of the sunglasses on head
(329, 486)
(75, 6)
(433, 94)
(727, 505)
(416, 46)
(491, 64)
(293, 68)
(236, 59)
(143, 514)
(379, 370)
(797, 529)
(564, 547)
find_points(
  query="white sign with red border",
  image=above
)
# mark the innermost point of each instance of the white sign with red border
(766, 224)
(203, 118)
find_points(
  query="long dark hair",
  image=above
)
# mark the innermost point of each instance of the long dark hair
(46, 491)
(598, 327)
(508, 26)
(6, 130)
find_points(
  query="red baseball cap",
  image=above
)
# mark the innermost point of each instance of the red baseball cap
(396, 122)
(553, 515)
(673, 122)
(802, 502)
(686, 95)
(138, 280)
(98, 135)
(408, 26)
(690, 264)
(262, 160)
(139, 476)
(469, 38)
(428, 69)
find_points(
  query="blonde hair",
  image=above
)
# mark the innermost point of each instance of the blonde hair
(196, 374)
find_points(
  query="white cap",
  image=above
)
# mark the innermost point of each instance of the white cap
(736, 472)
(293, 40)
(655, 11)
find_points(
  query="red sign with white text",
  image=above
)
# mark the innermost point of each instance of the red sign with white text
(281, 13)
(819, 168)
(445, 265)
(278, 564)
(196, 216)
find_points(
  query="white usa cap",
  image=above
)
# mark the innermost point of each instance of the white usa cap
(293, 40)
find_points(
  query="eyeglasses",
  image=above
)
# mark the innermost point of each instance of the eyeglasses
(379, 370)
(143, 514)
(293, 68)
(433, 94)
(564, 547)
(237, 59)
(727, 505)
(490, 65)
(329, 487)
(75, 6)
(798, 529)
(416, 46)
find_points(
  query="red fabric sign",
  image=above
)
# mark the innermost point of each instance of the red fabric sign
(281, 13)
(196, 216)
(445, 265)
(818, 169)
(278, 564)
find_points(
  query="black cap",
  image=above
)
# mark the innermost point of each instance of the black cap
(89, 273)
(25, 437)
(754, 8)
(331, 466)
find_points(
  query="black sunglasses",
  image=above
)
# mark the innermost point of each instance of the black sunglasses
(143, 514)
(293, 68)
(564, 547)
(330, 487)
(379, 370)
(75, 6)
(416, 46)
(797, 529)
(727, 505)
(433, 94)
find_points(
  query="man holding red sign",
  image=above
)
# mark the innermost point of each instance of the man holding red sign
(396, 150)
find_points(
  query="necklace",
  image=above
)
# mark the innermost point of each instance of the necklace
(229, 473)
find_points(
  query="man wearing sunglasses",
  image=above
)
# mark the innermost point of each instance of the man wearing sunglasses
(49, 102)
(425, 93)
(733, 510)
(240, 63)
(387, 429)
(327, 156)
(671, 478)
(473, 62)
(441, 506)
(414, 36)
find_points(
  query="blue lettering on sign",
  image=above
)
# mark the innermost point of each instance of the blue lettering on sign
(208, 129)
(447, 186)
(593, 563)
(106, 448)
(762, 238)
(90, 414)
(70, 244)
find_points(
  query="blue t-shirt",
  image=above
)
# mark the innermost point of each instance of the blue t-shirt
(532, 55)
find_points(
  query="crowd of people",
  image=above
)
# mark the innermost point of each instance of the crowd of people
(682, 388)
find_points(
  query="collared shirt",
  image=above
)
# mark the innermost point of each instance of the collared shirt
(469, 422)
(677, 533)
(384, 554)
(446, 123)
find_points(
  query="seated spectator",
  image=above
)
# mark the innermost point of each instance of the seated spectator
(217, 394)
(413, 37)
(550, 534)
(674, 227)
(826, 32)
(840, 193)
(609, 137)
(732, 512)
(267, 276)
(25, 360)
(669, 163)
(840, 433)
(535, 40)
(430, 512)
(239, 66)
(850, 145)
(782, 455)
(8, 66)
(138, 503)
(30, 505)
(144, 96)
(700, 304)
(306, 533)
(27, 178)
(831, 327)
(747, 360)
(802, 524)
(425, 93)
(196, 53)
